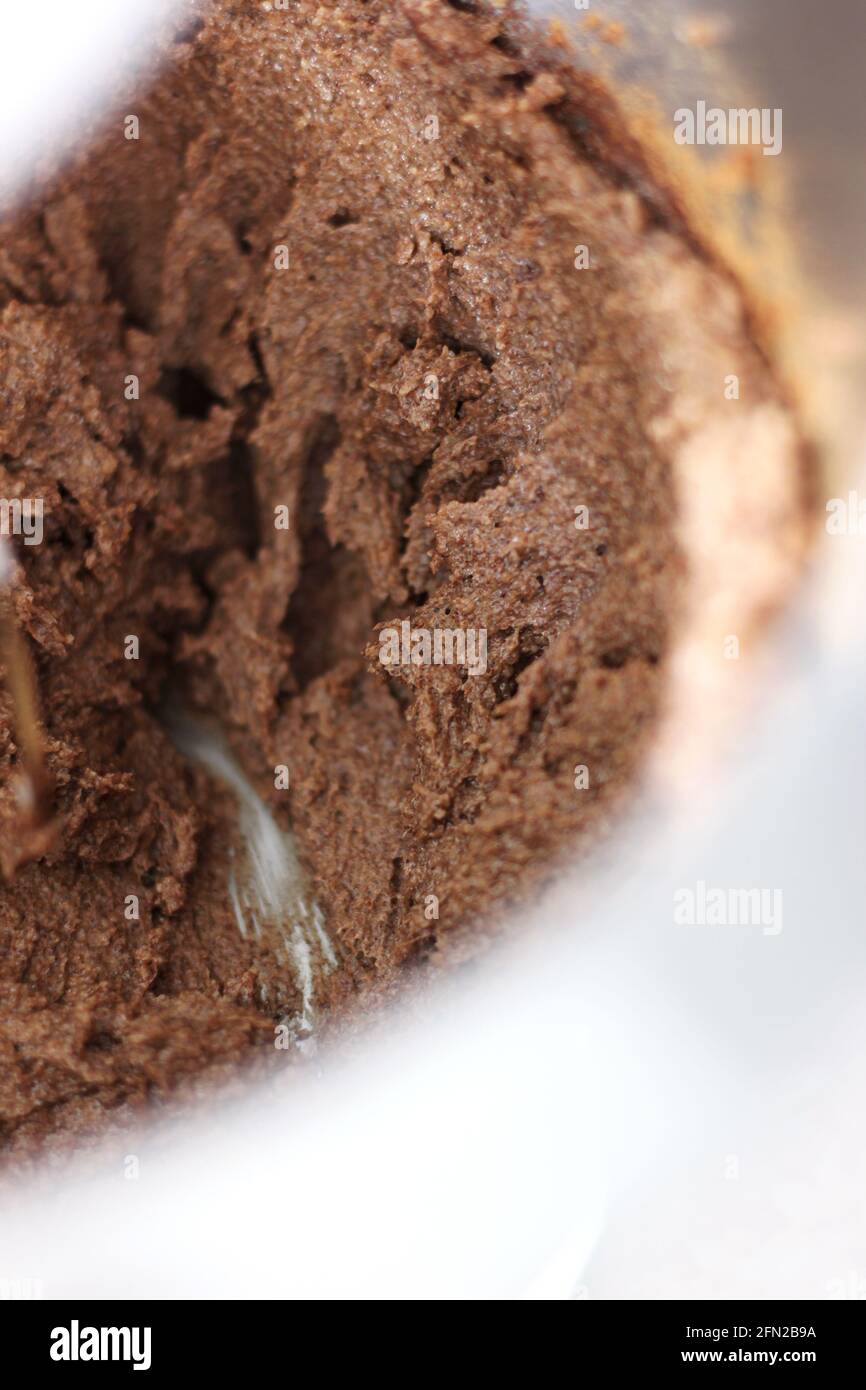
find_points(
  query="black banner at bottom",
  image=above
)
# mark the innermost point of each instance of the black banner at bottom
(155, 1338)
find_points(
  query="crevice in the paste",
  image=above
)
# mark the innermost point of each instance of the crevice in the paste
(445, 246)
(234, 475)
(506, 683)
(190, 395)
(492, 477)
(458, 346)
(467, 801)
(395, 884)
(342, 217)
(615, 658)
(505, 45)
(261, 385)
(327, 571)
(519, 80)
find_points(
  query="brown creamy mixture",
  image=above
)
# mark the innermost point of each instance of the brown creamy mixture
(432, 389)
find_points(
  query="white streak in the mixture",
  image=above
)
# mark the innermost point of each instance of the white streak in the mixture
(7, 562)
(322, 937)
(233, 894)
(272, 892)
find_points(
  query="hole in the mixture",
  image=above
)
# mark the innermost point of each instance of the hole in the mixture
(261, 383)
(188, 393)
(506, 684)
(519, 80)
(448, 248)
(615, 659)
(518, 158)
(161, 983)
(459, 346)
(491, 478)
(342, 217)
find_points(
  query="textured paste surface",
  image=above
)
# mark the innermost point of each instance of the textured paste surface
(340, 261)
